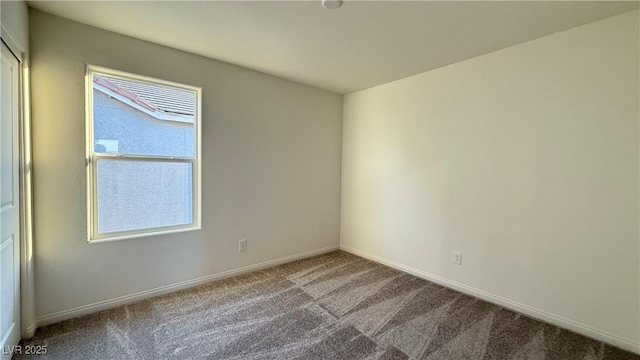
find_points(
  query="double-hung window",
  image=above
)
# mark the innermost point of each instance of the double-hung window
(143, 155)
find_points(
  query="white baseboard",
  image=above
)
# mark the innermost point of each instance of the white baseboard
(127, 299)
(542, 315)
(30, 330)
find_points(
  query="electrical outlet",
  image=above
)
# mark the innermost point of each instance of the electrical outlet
(242, 245)
(456, 258)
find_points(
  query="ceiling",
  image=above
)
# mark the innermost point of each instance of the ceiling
(360, 45)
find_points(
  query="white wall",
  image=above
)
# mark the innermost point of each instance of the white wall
(271, 170)
(526, 160)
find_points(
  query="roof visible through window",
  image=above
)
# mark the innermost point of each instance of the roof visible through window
(171, 101)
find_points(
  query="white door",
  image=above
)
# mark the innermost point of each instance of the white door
(9, 205)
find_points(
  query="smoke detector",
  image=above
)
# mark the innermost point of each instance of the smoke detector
(331, 4)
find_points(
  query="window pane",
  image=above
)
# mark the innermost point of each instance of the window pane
(138, 195)
(137, 118)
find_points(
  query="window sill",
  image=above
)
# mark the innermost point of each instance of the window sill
(126, 236)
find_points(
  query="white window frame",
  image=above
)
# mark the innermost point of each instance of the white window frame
(92, 158)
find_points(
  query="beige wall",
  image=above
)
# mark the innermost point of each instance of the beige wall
(526, 160)
(14, 15)
(271, 170)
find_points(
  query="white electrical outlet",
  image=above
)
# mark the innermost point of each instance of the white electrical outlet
(242, 245)
(456, 258)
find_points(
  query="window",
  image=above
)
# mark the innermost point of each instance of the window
(143, 155)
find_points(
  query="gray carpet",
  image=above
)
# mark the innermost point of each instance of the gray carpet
(333, 306)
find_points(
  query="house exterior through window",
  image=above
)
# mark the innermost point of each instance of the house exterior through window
(143, 162)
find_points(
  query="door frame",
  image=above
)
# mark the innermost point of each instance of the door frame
(27, 285)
